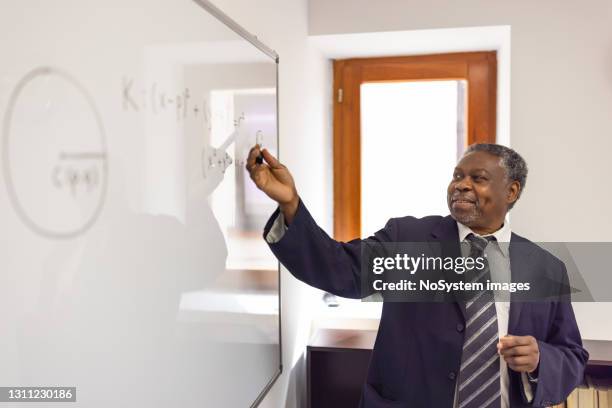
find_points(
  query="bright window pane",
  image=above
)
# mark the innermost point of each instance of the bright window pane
(411, 134)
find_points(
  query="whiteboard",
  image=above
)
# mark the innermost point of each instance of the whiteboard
(132, 265)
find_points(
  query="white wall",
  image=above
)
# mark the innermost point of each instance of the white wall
(561, 105)
(282, 25)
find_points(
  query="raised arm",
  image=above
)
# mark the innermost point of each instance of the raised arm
(300, 244)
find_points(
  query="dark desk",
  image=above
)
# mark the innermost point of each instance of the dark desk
(600, 352)
(337, 364)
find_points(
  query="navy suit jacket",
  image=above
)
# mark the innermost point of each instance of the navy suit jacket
(417, 354)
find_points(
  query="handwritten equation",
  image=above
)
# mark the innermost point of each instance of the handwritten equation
(183, 105)
(152, 98)
(214, 159)
(77, 173)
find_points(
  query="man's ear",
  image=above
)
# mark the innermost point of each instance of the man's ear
(514, 190)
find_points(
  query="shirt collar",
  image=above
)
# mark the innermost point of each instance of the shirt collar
(501, 235)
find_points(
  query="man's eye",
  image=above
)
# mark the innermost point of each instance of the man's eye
(456, 176)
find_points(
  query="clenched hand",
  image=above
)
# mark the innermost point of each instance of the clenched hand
(520, 352)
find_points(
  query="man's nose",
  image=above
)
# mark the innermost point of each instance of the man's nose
(463, 185)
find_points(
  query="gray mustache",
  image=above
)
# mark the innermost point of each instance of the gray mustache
(463, 198)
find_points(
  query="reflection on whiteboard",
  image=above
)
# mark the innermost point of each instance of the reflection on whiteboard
(248, 208)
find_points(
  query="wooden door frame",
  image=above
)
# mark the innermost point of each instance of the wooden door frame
(479, 69)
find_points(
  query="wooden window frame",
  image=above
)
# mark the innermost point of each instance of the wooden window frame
(479, 69)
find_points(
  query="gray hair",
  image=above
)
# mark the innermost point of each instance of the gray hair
(512, 162)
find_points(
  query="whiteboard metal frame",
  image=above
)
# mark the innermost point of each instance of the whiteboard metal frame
(238, 29)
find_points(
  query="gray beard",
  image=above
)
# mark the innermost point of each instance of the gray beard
(466, 219)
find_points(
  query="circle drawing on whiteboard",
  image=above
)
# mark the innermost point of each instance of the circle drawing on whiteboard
(54, 154)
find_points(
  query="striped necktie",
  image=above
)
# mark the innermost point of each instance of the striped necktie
(479, 382)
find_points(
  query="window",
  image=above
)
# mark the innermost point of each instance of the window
(399, 125)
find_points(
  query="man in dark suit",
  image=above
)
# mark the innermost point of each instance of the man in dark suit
(472, 353)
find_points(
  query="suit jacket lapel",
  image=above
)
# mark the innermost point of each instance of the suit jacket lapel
(446, 235)
(520, 272)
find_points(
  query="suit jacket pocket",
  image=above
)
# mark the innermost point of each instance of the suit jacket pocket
(373, 399)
